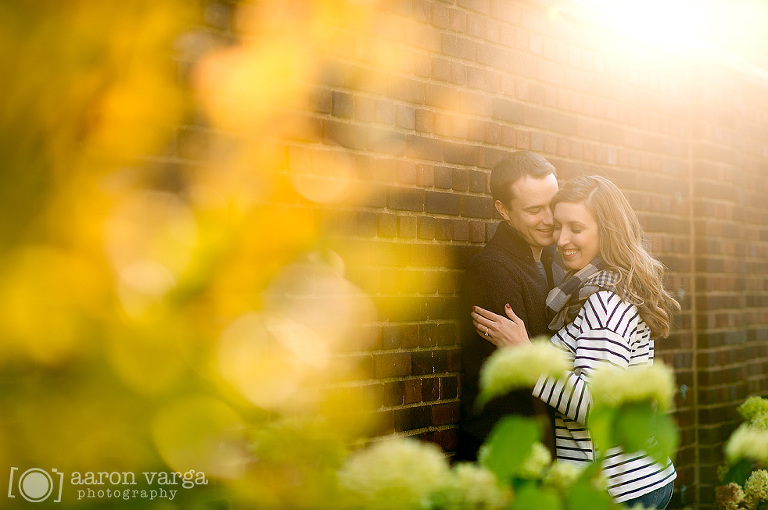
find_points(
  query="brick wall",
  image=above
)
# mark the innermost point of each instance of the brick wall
(404, 119)
(728, 151)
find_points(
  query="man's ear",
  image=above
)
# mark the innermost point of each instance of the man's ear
(502, 209)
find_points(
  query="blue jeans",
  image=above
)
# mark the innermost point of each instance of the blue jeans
(655, 499)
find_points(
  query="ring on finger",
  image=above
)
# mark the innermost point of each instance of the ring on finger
(487, 330)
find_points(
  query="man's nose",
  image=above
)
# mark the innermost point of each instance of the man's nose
(548, 217)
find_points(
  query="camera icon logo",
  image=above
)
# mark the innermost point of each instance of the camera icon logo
(36, 485)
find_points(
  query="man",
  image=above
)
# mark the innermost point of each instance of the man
(514, 268)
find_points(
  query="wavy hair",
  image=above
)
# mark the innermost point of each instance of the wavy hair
(622, 248)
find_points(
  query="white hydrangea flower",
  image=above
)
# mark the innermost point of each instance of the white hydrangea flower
(393, 474)
(536, 462)
(514, 368)
(756, 487)
(747, 443)
(611, 386)
(760, 422)
(471, 487)
(562, 475)
(753, 408)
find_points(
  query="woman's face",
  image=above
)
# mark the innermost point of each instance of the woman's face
(576, 234)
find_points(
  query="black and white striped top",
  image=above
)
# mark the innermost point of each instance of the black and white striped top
(606, 330)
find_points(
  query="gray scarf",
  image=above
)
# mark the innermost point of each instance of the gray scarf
(565, 300)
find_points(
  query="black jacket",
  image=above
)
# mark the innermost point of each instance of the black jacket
(504, 271)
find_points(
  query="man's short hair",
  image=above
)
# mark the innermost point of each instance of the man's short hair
(513, 167)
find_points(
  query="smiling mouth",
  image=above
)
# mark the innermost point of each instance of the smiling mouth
(569, 253)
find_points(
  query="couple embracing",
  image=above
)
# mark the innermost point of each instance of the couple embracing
(602, 301)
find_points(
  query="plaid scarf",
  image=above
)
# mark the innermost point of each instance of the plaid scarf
(565, 301)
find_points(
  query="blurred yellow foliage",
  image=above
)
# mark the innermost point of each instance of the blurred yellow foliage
(158, 309)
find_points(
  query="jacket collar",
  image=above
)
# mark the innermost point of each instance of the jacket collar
(510, 240)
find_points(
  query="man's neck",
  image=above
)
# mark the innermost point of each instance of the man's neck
(537, 250)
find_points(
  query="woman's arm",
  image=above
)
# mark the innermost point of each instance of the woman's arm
(599, 334)
(500, 331)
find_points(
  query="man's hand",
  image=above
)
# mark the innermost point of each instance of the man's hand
(500, 331)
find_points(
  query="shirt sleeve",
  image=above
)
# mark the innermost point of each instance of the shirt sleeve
(600, 334)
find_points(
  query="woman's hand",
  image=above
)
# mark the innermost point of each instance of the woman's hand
(500, 331)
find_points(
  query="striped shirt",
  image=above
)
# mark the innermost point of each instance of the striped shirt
(606, 330)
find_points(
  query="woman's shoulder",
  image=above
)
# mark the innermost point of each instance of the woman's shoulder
(607, 304)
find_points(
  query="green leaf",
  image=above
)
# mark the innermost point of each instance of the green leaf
(509, 444)
(531, 497)
(592, 471)
(668, 437)
(586, 497)
(634, 426)
(738, 472)
(600, 425)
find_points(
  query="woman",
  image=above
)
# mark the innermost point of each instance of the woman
(609, 309)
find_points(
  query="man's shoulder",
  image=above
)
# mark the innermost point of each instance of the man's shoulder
(502, 245)
(496, 267)
(494, 254)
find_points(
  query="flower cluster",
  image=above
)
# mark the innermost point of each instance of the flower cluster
(611, 386)
(745, 479)
(397, 473)
(536, 462)
(754, 410)
(729, 497)
(756, 488)
(471, 487)
(402, 473)
(747, 443)
(760, 422)
(561, 475)
(519, 367)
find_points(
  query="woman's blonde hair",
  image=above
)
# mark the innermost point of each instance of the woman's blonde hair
(622, 249)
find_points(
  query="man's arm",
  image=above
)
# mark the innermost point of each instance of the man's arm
(491, 287)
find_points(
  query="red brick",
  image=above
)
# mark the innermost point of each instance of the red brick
(412, 391)
(460, 230)
(406, 226)
(426, 227)
(477, 231)
(412, 418)
(392, 364)
(440, 15)
(425, 120)
(445, 414)
(430, 389)
(393, 393)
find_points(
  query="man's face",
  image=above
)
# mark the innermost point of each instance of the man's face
(529, 212)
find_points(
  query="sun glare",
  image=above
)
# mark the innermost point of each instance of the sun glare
(674, 25)
(719, 27)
